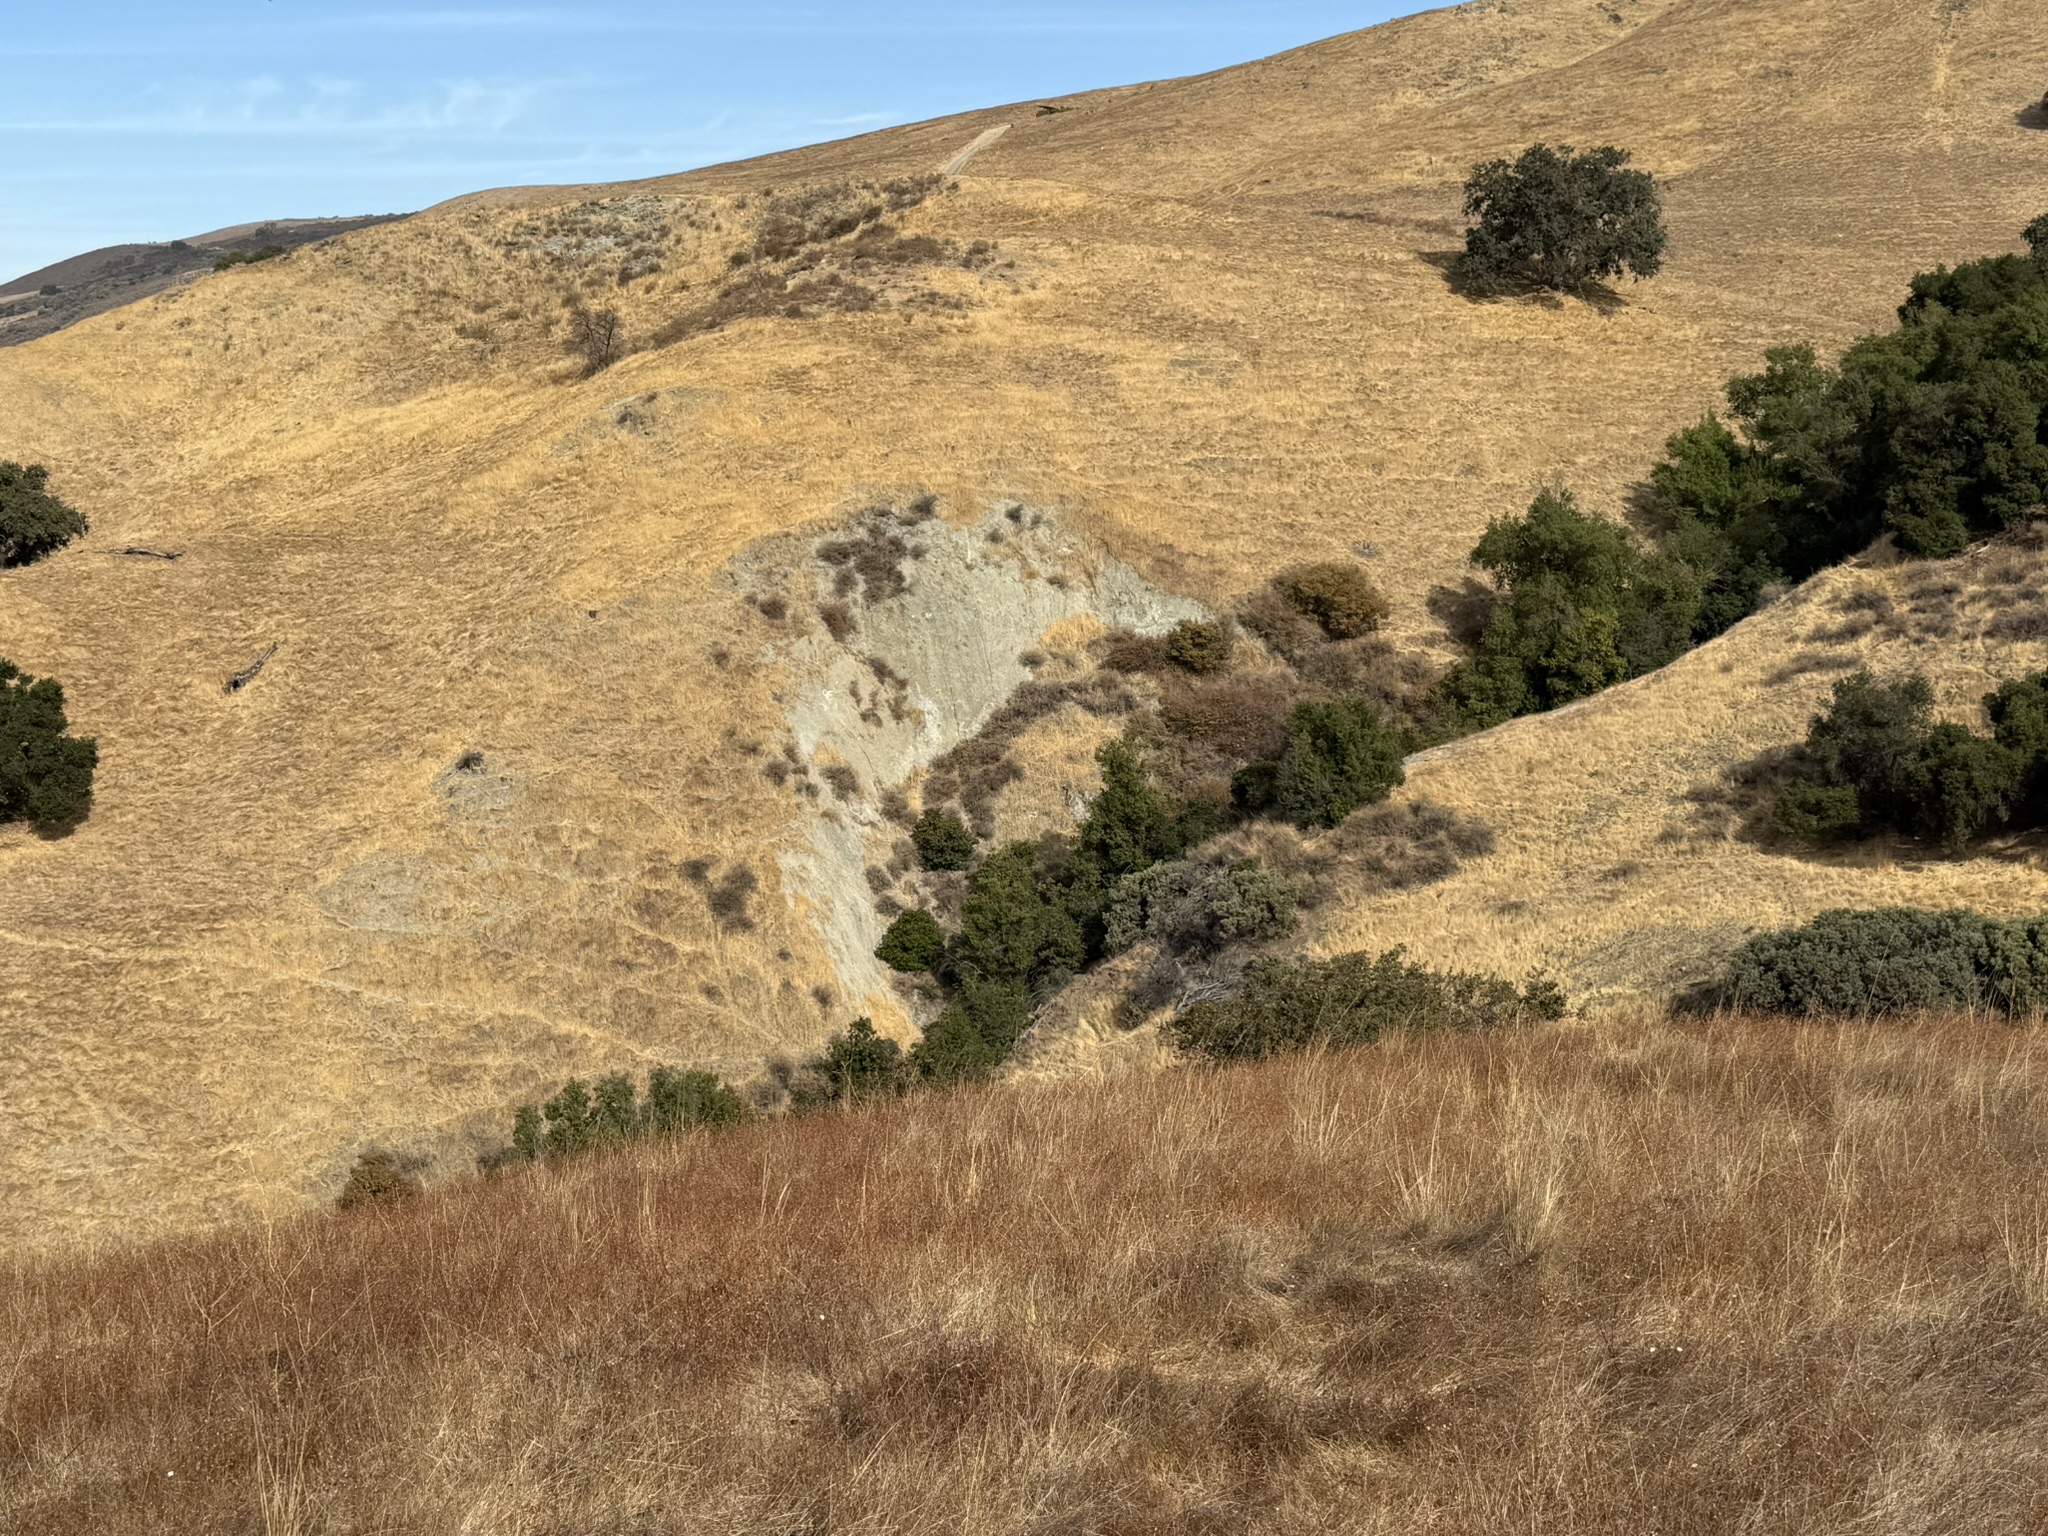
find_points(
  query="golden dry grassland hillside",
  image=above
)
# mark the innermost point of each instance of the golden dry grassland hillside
(1601, 1278)
(504, 802)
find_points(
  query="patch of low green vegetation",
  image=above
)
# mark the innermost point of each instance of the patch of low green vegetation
(1560, 219)
(1289, 1004)
(33, 522)
(1876, 760)
(915, 942)
(46, 773)
(942, 840)
(248, 258)
(1894, 960)
(584, 1116)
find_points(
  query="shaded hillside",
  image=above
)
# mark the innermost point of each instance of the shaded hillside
(505, 802)
(80, 286)
(1599, 1279)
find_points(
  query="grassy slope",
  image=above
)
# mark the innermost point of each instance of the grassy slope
(283, 933)
(1607, 1278)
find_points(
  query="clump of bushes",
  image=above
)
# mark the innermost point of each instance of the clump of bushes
(1340, 755)
(1931, 433)
(1195, 908)
(583, 1116)
(1290, 1004)
(1579, 609)
(33, 522)
(1338, 596)
(1876, 759)
(1202, 648)
(1561, 220)
(45, 773)
(1894, 960)
(942, 840)
(1034, 915)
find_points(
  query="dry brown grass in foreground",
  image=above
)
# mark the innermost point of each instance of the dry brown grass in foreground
(1629, 1277)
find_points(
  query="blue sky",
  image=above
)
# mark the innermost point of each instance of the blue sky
(129, 121)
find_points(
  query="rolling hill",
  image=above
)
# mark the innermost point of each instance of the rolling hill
(504, 803)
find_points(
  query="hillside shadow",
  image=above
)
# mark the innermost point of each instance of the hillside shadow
(1599, 295)
(2035, 117)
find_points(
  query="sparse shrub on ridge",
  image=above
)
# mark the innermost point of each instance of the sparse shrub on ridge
(33, 522)
(1894, 960)
(581, 1116)
(45, 773)
(1560, 220)
(942, 840)
(1290, 1004)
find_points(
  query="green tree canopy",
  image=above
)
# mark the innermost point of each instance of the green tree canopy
(45, 774)
(1340, 755)
(1580, 608)
(33, 523)
(1560, 219)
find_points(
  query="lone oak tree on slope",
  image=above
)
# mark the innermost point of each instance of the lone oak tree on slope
(1560, 220)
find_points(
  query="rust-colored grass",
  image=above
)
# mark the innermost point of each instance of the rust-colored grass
(1627, 1277)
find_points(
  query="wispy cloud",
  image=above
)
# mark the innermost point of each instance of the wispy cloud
(320, 106)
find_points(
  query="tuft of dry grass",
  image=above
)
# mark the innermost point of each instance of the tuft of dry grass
(1624, 1277)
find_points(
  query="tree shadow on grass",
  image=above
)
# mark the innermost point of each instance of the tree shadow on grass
(2035, 117)
(1599, 295)
(1463, 610)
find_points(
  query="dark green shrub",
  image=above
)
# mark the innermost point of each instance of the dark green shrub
(1014, 923)
(975, 1033)
(45, 774)
(33, 523)
(568, 1115)
(248, 258)
(1560, 220)
(1191, 907)
(1352, 999)
(953, 1051)
(1580, 609)
(1130, 825)
(1200, 648)
(1254, 788)
(678, 1100)
(1338, 596)
(1876, 759)
(915, 942)
(942, 840)
(1340, 755)
(1895, 960)
(861, 1064)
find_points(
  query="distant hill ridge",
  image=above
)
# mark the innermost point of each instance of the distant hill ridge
(114, 275)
